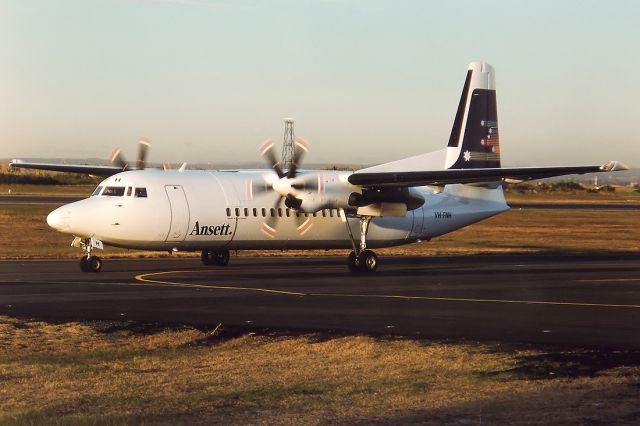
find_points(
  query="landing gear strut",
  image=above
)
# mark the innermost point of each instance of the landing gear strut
(215, 257)
(361, 260)
(88, 262)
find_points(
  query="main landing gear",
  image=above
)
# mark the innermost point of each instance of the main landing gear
(215, 257)
(361, 260)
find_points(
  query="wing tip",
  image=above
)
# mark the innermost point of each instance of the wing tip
(614, 166)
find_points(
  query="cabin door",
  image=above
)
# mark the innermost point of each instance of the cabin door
(179, 223)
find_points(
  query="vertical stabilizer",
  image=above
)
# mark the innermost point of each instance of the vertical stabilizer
(474, 142)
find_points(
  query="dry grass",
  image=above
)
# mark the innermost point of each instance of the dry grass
(105, 373)
(25, 234)
(77, 190)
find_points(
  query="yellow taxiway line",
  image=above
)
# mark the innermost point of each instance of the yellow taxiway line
(142, 278)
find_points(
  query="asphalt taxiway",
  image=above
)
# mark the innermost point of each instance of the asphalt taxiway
(587, 301)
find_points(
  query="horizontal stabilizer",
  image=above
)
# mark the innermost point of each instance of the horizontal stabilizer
(477, 176)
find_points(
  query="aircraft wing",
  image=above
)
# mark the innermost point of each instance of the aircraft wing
(72, 168)
(470, 176)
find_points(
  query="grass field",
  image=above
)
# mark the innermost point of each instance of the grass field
(124, 373)
(79, 190)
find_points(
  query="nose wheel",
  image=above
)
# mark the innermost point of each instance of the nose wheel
(90, 264)
(215, 257)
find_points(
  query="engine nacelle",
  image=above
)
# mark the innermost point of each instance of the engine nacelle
(384, 209)
(405, 196)
(313, 201)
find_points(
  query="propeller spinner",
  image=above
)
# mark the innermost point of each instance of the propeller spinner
(287, 187)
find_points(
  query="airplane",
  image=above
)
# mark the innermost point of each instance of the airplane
(214, 211)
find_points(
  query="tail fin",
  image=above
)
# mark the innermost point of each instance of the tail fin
(474, 141)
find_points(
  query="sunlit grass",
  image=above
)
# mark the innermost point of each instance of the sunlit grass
(95, 373)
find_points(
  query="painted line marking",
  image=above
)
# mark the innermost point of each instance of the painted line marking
(605, 280)
(456, 299)
(142, 279)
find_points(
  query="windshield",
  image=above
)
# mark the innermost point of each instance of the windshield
(113, 191)
(97, 191)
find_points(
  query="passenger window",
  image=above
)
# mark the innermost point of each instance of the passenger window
(255, 212)
(237, 211)
(273, 212)
(246, 212)
(279, 212)
(228, 212)
(140, 193)
(315, 214)
(324, 213)
(288, 212)
(97, 191)
(113, 191)
(264, 212)
(330, 212)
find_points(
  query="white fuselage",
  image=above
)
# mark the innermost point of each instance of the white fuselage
(193, 210)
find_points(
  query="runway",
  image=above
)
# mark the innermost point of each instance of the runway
(590, 301)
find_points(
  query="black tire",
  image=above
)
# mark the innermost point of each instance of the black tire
(94, 264)
(215, 258)
(368, 261)
(353, 263)
(221, 258)
(84, 267)
(205, 256)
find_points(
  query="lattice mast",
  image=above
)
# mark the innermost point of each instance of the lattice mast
(288, 146)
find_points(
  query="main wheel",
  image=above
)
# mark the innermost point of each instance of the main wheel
(221, 258)
(367, 261)
(353, 263)
(207, 257)
(213, 257)
(94, 264)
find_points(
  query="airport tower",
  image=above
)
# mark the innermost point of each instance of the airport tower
(288, 146)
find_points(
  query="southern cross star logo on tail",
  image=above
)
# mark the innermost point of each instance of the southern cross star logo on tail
(467, 155)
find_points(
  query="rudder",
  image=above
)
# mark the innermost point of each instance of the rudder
(474, 142)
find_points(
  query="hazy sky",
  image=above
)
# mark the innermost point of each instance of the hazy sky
(367, 81)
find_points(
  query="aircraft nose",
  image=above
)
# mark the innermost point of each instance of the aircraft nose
(59, 219)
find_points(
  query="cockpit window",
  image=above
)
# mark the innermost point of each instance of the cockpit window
(96, 192)
(141, 192)
(113, 191)
(128, 191)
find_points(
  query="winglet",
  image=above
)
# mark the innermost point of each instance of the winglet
(614, 166)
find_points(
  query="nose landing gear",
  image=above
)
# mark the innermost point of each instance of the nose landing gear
(88, 262)
(215, 257)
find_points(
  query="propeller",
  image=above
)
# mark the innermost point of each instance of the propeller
(286, 186)
(266, 150)
(143, 147)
